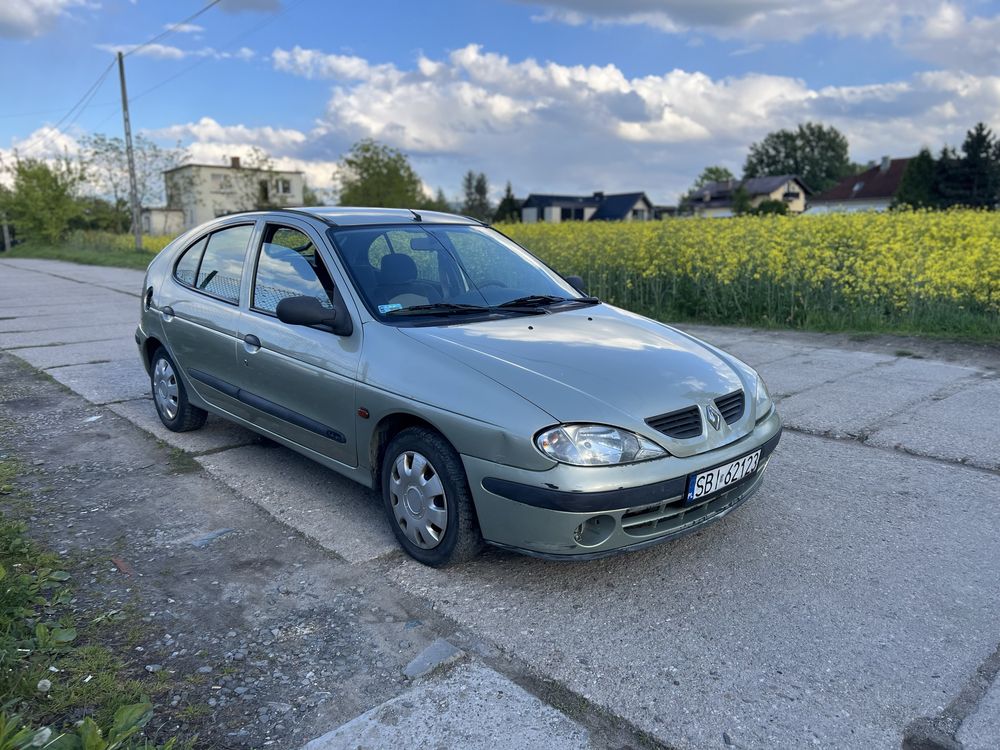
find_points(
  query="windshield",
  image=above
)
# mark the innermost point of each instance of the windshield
(446, 269)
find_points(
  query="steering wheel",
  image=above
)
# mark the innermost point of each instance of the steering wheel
(435, 293)
(491, 282)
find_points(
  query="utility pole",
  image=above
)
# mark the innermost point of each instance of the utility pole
(133, 193)
(6, 231)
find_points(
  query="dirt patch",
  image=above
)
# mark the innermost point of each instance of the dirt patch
(240, 630)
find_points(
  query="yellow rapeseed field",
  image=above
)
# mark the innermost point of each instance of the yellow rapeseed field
(916, 271)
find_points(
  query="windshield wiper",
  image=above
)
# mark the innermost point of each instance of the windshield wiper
(539, 300)
(440, 308)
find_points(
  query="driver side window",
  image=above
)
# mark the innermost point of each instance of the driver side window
(289, 266)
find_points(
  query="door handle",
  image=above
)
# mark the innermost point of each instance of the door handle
(167, 313)
(251, 343)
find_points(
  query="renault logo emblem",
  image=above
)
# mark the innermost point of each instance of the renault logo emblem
(714, 418)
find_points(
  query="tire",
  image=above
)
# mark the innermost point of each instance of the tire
(421, 472)
(170, 396)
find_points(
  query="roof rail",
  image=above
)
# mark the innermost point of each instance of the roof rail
(310, 214)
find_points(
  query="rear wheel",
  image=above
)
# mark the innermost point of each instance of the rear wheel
(427, 499)
(170, 397)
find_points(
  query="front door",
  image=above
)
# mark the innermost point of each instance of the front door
(298, 381)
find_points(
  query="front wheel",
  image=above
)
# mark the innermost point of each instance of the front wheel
(427, 498)
(170, 397)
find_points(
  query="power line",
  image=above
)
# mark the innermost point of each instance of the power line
(238, 38)
(35, 113)
(170, 29)
(74, 112)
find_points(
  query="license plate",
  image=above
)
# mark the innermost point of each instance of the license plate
(721, 477)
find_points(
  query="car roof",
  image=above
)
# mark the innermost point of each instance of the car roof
(347, 216)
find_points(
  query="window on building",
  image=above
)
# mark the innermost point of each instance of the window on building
(284, 187)
(221, 181)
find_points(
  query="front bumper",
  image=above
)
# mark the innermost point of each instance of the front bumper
(588, 512)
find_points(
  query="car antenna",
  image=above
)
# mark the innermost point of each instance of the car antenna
(415, 215)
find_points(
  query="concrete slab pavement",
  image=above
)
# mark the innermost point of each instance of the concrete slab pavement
(855, 593)
(218, 434)
(981, 731)
(104, 382)
(111, 350)
(472, 707)
(333, 511)
(960, 427)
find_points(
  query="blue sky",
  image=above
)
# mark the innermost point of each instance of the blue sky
(563, 95)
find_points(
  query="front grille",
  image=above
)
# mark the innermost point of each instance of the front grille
(683, 423)
(731, 406)
(675, 515)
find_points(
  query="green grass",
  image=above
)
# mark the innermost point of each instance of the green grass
(91, 256)
(39, 641)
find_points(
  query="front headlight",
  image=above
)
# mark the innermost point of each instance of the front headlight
(595, 445)
(763, 401)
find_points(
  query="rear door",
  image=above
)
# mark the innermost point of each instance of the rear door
(298, 381)
(201, 314)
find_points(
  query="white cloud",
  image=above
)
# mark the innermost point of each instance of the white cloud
(207, 130)
(169, 52)
(552, 127)
(24, 19)
(950, 38)
(211, 142)
(45, 143)
(158, 51)
(184, 28)
(755, 19)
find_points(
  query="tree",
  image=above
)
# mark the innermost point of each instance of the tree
(42, 201)
(309, 196)
(741, 201)
(817, 154)
(916, 188)
(770, 207)
(712, 174)
(106, 163)
(979, 168)
(101, 215)
(477, 199)
(438, 203)
(508, 209)
(373, 174)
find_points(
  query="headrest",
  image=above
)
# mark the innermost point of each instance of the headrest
(397, 269)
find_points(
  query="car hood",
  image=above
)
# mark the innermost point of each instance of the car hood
(598, 364)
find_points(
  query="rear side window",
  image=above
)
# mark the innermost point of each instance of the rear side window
(214, 264)
(288, 266)
(221, 269)
(187, 267)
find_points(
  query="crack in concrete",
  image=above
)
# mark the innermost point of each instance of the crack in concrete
(939, 732)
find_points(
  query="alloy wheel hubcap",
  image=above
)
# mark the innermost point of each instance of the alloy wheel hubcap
(418, 499)
(165, 389)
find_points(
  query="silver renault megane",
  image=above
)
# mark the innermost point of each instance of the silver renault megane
(429, 357)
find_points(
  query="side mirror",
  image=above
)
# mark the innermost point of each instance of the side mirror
(577, 283)
(309, 311)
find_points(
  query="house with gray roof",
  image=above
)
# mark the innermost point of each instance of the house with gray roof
(716, 199)
(596, 207)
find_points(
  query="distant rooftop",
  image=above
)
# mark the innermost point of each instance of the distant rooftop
(877, 182)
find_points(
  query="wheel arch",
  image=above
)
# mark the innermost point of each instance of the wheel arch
(149, 347)
(385, 430)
